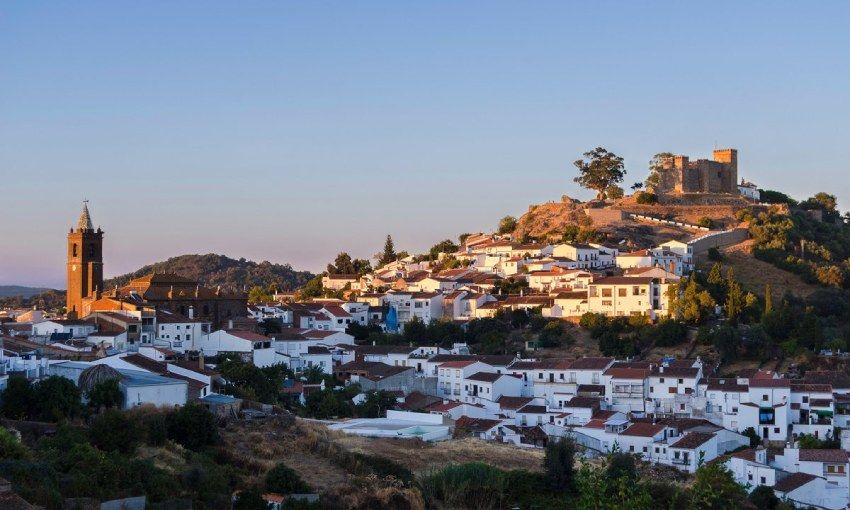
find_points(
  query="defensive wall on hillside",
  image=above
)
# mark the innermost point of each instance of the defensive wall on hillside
(718, 239)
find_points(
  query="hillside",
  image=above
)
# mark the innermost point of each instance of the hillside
(213, 270)
(18, 290)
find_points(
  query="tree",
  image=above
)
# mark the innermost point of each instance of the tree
(259, 295)
(312, 289)
(376, 404)
(558, 463)
(656, 166)
(637, 186)
(726, 341)
(507, 225)
(602, 170)
(11, 447)
(250, 500)
(193, 426)
(735, 300)
(621, 465)
(751, 433)
(114, 431)
(17, 401)
(342, 264)
(690, 303)
(105, 394)
(284, 480)
(715, 487)
(764, 498)
(615, 192)
(313, 374)
(57, 398)
(388, 255)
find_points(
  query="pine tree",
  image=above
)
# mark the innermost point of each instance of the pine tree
(735, 300)
(388, 255)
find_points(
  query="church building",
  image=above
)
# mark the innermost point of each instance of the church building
(151, 293)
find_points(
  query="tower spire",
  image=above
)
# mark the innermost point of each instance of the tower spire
(85, 218)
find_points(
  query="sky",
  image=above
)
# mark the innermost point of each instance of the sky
(289, 131)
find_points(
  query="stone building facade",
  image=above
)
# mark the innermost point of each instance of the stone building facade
(718, 175)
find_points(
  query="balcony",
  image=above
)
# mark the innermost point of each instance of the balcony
(682, 462)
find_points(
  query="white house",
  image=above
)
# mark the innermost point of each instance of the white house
(252, 346)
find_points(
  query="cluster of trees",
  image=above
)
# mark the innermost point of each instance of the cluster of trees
(336, 403)
(100, 461)
(615, 482)
(628, 336)
(819, 251)
(496, 335)
(52, 399)
(47, 300)
(211, 269)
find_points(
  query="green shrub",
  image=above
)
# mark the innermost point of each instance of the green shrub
(646, 198)
(284, 480)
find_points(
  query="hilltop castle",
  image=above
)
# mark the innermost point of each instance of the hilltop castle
(720, 175)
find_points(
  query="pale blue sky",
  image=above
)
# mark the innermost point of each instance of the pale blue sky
(289, 131)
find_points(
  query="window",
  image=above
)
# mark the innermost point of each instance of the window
(606, 302)
(652, 389)
(764, 398)
(632, 448)
(805, 399)
(776, 430)
(681, 381)
(750, 477)
(607, 293)
(661, 379)
(644, 449)
(635, 290)
(622, 292)
(763, 481)
(74, 250)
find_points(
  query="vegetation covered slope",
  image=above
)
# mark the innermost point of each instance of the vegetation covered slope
(212, 270)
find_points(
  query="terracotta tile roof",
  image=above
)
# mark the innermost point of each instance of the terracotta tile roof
(624, 280)
(836, 378)
(591, 363)
(146, 363)
(824, 455)
(770, 383)
(693, 440)
(675, 372)
(532, 409)
(484, 376)
(506, 402)
(643, 430)
(793, 481)
(583, 402)
(627, 373)
(476, 424)
(727, 384)
(247, 335)
(748, 454)
(457, 364)
(442, 407)
(810, 387)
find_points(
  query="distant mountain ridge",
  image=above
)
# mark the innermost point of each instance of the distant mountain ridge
(20, 290)
(213, 270)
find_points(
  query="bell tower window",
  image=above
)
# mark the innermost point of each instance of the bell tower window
(74, 250)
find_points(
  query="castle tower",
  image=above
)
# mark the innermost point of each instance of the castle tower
(85, 263)
(729, 158)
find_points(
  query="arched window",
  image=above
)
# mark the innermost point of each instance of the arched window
(74, 250)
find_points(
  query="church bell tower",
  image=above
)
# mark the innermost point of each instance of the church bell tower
(85, 264)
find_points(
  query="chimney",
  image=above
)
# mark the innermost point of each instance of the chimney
(191, 312)
(201, 364)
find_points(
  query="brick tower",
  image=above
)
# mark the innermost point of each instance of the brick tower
(85, 264)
